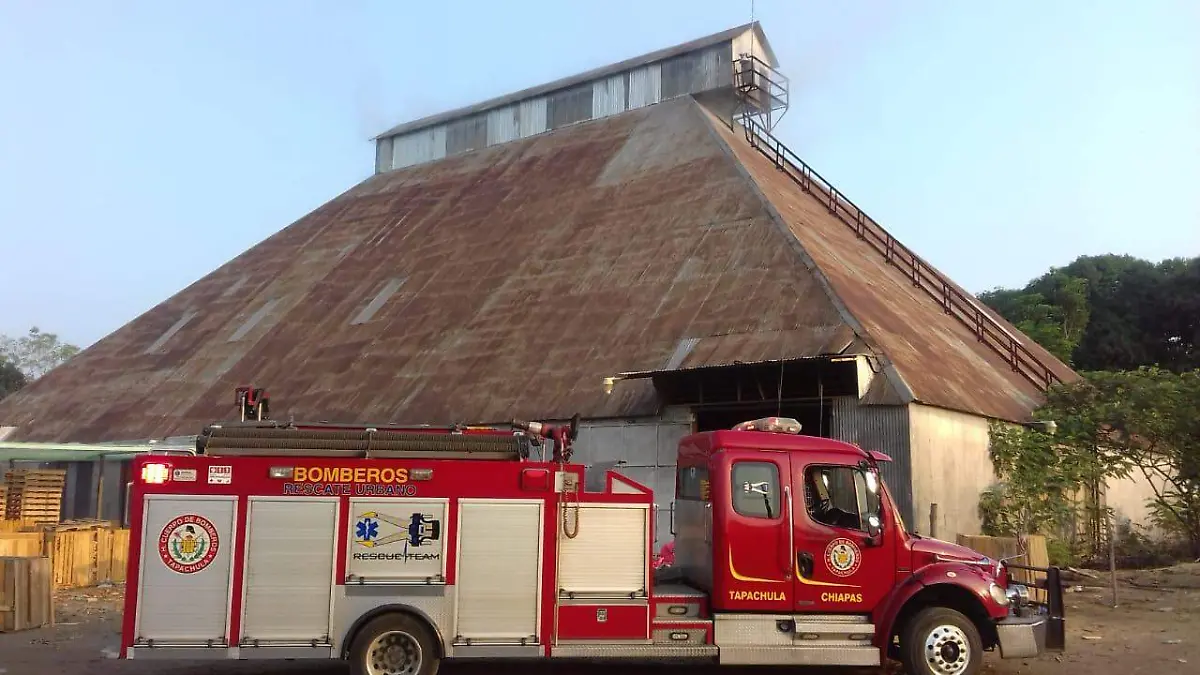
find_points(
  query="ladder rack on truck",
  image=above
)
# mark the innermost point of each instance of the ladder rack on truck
(397, 547)
(263, 439)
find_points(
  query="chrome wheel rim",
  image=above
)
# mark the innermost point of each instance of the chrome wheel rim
(947, 650)
(394, 653)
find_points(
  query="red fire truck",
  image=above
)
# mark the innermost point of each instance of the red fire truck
(396, 548)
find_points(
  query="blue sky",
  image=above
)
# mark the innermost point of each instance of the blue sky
(143, 144)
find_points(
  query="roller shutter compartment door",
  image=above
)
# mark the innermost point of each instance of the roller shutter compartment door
(608, 557)
(185, 580)
(499, 570)
(289, 570)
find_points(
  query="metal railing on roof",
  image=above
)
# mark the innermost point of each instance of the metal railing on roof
(952, 300)
(762, 90)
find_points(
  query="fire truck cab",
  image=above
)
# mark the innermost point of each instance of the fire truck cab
(396, 548)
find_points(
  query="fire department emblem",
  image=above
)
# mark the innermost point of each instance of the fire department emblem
(188, 544)
(843, 557)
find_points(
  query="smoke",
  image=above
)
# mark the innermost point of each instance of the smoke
(852, 34)
(370, 110)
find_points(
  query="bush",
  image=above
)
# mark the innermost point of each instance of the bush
(1060, 553)
(1135, 548)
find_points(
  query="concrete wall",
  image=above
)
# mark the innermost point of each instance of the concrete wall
(648, 447)
(950, 468)
(1128, 497)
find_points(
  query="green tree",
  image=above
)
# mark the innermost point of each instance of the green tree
(1055, 316)
(11, 377)
(1111, 312)
(1140, 422)
(1150, 422)
(1178, 318)
(36, 353)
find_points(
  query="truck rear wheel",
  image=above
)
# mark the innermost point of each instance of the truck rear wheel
(941, 641)
(394, 644)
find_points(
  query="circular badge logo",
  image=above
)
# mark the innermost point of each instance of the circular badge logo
(843, 557)
(188, 544)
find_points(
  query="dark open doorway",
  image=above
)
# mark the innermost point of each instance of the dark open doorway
(813, 416)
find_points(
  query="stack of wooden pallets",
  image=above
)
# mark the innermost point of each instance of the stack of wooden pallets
(34, 495)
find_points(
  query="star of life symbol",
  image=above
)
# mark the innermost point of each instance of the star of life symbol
(366, 530)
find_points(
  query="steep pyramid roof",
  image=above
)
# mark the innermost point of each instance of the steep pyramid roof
(509, 282)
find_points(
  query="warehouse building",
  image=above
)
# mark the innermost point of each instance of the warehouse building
(637, 222)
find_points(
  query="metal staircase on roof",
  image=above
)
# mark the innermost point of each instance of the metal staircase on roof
(762, 91)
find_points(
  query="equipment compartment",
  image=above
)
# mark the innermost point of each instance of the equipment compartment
(606, 621)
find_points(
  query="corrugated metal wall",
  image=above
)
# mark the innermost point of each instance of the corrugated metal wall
(884, 428)
(645, 86)
(698, 71)
(608, 96)
(82, 488)
(467, 134)
(695, 72)
(648, 448)
(425, 145)
(533, 117)
(569, 106)
(503, 124)
(383, 154)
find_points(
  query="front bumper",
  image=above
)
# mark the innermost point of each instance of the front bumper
(1021, 637)
(1038, 628)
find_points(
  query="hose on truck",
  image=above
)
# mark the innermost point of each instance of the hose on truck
(571, 534)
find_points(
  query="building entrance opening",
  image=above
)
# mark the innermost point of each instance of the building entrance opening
(813, 417)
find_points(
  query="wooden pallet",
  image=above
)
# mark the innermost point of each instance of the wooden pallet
(26, 593)
(33, 495)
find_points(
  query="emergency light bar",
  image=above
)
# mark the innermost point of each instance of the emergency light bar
(774, 425)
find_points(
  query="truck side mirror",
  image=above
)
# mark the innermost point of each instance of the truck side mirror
(874, 528)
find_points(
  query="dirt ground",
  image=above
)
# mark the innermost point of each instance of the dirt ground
(1156, 629)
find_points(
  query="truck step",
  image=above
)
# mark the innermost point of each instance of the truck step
(633, 651)
(787, 630)
(849, 634)
(681, 632)
(799, 655)
(676, 601)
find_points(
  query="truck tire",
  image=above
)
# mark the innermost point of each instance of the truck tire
(941, 641)
(394, 644)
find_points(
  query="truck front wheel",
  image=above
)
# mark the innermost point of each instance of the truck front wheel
(394, 644)
(941, 641)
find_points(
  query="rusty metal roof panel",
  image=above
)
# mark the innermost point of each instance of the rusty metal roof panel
(938, 357)
(530, 272)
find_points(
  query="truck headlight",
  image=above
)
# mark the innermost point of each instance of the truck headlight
(998, 594)
(1018, 595)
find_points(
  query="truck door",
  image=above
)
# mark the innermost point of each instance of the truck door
(756, 547)
(839, 566)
